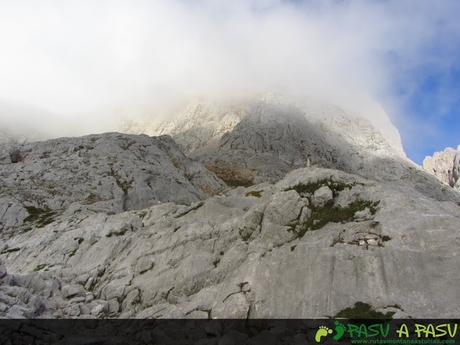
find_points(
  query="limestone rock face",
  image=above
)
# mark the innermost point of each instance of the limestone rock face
(3, 271)
(247, 142)
(273, 213)
(445, 166)
(262, 251)
(261, 140)
(202, 124)
(40, 182)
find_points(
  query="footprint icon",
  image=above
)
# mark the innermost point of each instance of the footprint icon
(322, 332)
(339, 330)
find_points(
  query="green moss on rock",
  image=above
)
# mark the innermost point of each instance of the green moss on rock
(41, 217)
(311, 187)
(363, 311)
(328, 213)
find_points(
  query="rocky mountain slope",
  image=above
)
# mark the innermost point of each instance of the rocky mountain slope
(304, 219)
(201, 125)
(318, 243)
(445, 166)
(261, 140)
(108, 173)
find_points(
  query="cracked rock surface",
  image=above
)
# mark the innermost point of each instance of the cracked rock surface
(108, 173)
(266, 251)
(261, 140)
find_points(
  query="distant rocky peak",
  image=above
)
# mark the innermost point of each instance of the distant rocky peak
(203, 123)
(445, 165)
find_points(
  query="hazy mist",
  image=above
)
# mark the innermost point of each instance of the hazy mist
(82, 65)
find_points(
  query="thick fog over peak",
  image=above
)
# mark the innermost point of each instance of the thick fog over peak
(92, 63)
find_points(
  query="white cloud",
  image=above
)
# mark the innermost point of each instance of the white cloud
(91, 61)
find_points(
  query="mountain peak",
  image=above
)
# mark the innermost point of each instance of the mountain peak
(445, 165)
(209, 120)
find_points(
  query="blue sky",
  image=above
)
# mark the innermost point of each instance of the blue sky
(427, 88)
(433, 103)
(420, 59)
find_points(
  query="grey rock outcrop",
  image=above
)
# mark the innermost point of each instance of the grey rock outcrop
(110, 173)
(321, 196)
(3, 271)
(249, 142)
(263, 251)
(445, 166)
(261, 140)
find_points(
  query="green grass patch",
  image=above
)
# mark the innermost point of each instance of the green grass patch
(41, 217)
(323, 215)
(310, 188)
(363, 311)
